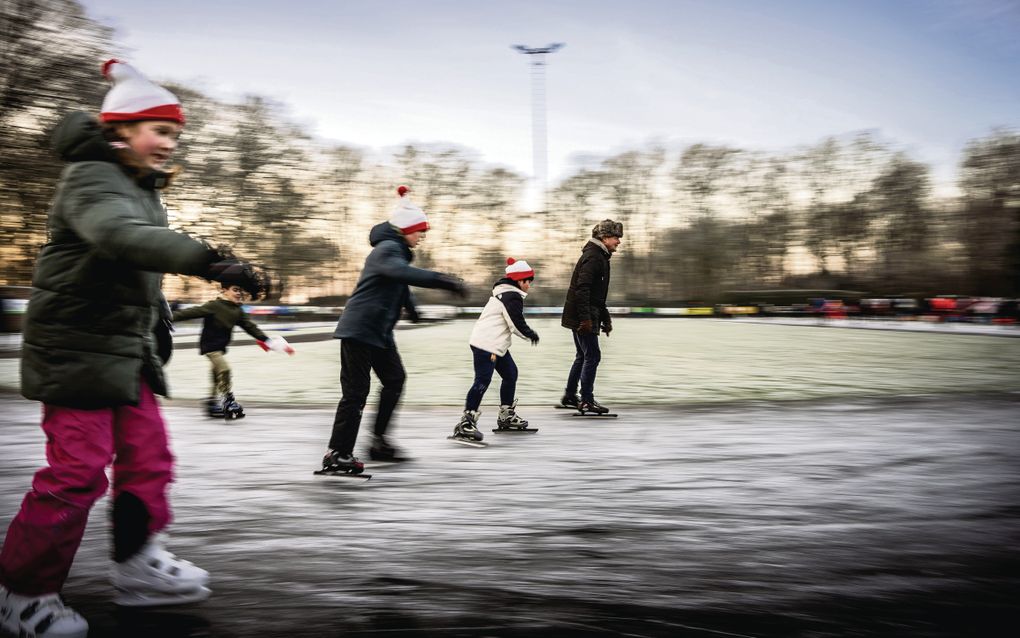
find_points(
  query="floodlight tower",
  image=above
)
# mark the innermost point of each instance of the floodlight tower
(538, 130)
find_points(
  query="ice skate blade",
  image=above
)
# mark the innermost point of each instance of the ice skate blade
(467, 442)
(595, 414)
(560, 406)
(160, 599)
(515, 430)
(347, 475)
(389, 462)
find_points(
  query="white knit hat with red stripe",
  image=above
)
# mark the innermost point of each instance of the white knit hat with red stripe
(133, 97)
(518, 269)
(406, 216)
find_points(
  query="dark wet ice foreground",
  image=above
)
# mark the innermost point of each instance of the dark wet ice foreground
(893, 517)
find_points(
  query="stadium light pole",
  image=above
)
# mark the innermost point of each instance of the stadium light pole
(539, 135)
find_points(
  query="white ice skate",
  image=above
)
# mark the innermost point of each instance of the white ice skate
(39, 616)
(155, 577)
(508, 418)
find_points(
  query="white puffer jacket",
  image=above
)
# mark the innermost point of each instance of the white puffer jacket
(501, 318)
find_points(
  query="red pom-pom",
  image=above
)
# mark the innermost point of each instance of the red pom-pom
(402, 190)
(107, 65)
(510, 261)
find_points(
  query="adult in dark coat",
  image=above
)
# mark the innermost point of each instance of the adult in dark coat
(366, 333)
(585, 313)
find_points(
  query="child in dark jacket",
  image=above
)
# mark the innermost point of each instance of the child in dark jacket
(366, 327)
(219, 318)
(501, 318)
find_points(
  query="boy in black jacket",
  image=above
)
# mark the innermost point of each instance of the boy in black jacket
(366, 327)
(219, 318)
(585, 313)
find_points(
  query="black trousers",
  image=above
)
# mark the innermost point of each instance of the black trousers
(357, 360)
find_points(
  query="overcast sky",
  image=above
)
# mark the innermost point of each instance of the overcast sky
(762, 74)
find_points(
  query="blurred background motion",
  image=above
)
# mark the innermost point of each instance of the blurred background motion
(774, 164)
(858, 212)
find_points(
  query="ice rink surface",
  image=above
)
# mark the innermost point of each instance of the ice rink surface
(885, 516)
(761, 480)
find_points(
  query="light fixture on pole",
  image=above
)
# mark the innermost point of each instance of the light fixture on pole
(538, 130)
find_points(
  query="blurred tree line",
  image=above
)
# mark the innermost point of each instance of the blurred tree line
(849, 212)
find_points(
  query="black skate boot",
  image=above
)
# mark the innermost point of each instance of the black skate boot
(384, 452)
(570, 401)
(508, 418)
(231, 408)
(213, 408)
(592, 406)
(336, 463)
(467, 428)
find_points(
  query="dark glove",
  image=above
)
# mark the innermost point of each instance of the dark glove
(227, 269)
(454, 285)
(412, 314)
(585, 327)
(164, 326)
(534, 339)
(607, 327)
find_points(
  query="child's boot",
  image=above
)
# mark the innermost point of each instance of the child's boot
(214, 408)
(336, 463)
(384, 451)
(42, 616)
(155, 577)
(508, 418)
(231, 408)
(467, 427)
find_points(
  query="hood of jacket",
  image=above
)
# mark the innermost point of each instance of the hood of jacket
(386, 231)
(506, 281)
(79, 138)
(507, 285)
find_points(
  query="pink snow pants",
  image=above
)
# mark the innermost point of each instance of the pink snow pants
(44, 536)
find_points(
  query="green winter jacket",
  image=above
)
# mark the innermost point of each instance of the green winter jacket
(96, 299)
(219, 318)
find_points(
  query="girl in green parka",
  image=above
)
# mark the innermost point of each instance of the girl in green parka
(95, 340)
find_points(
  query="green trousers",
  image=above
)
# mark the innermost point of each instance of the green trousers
(220, 373)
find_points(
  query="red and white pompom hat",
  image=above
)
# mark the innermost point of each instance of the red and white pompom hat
(406, 216)
(133, 97)
(518, 270)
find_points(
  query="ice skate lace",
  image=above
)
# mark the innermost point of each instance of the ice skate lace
(511, 416)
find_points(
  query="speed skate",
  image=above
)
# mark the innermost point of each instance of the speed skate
(342, 474)
(468, 442)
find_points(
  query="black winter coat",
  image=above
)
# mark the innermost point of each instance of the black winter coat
(382, 290)
(589, 287)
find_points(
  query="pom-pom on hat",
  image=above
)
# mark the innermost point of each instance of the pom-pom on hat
(133, 97)
(518, 270)
(406, 216)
